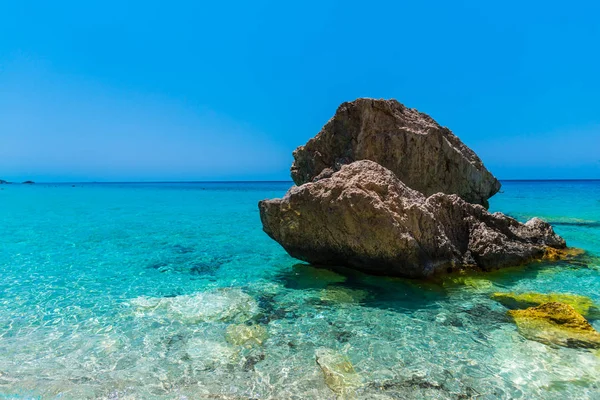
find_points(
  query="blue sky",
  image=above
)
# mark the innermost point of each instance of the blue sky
(191, 90)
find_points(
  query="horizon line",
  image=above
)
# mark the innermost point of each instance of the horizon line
(271, 181)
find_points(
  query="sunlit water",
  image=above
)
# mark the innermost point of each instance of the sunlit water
(128, 291)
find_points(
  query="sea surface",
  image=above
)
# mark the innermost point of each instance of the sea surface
(172, 291)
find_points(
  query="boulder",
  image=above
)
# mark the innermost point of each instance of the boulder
(424, 155)
(364, 217)
(556, 324)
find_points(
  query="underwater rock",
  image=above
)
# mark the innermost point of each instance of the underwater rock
(556, 324)
(209, 354)
(246, 335)
(424, 155)
(225, 305)
(342, 295)
(338, 371)
(582, 304)
(366, 218)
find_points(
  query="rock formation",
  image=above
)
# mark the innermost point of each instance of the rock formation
(386, 190)
(556, 324)
(424, 155)
(364, 217)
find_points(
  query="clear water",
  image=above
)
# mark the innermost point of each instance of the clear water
(126, 291)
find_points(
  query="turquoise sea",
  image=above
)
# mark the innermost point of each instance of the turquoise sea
(136, 291)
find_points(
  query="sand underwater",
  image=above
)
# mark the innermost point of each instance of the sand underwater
(172, 291)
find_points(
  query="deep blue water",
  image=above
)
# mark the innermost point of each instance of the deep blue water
(127, 291)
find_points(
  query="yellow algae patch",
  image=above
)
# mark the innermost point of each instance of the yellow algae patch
(552, 254)
(246, 335)
(343, 295)
(339, 373)
(582, 304)
(556, 324)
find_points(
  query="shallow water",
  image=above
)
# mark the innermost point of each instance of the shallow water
(143, 291)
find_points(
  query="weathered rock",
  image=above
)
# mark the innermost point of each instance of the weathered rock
(582, 304)
(424, 155)
(364, 217)
(556, 324)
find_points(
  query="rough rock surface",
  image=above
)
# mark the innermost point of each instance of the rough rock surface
(364, 217)
(424, 155)
(556, 324)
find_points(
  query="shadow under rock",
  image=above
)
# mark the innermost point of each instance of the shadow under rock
(412, 294)
(379, 291)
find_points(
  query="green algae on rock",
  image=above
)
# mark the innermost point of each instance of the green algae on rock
(343, 295)
(475, 282)
(339, 373)
(582, 304)
(556, 324)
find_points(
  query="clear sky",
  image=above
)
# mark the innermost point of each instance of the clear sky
(220, 90)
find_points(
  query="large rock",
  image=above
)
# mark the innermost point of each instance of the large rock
(424, 155)
(364, 217)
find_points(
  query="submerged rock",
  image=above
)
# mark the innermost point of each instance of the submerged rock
(556, 324)
(208, 354)
(424, 155)
(226, 305)
(366, 218)
(246, 335)
(473, 282)
(339, 373)
(582, 304)
(342, 295)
